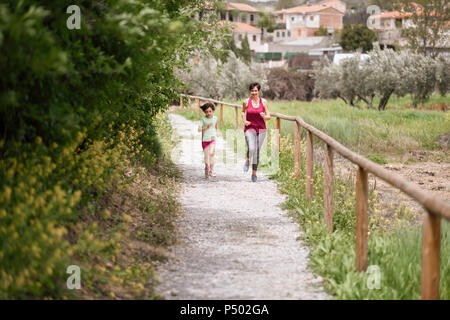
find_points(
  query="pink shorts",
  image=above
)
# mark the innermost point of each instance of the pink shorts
(207, 143)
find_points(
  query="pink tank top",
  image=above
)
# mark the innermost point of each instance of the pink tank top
(253, 115)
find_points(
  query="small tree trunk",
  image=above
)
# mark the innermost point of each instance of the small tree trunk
(384, 100)
(343, 99)
(370, 104)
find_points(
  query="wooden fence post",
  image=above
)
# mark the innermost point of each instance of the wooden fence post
(235, 118)
(221, 114)
(362, 192)
(309, 165)
(198, 107)
(189, 103)
(297, 150)
(181, 102)
(328, 206)
(278, 127)
(431, 246)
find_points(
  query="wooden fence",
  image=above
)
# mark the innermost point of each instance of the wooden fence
(436, 209)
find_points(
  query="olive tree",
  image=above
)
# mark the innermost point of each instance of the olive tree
(215, 79)
(385, 73)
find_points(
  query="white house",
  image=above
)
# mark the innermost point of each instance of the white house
(304, 21)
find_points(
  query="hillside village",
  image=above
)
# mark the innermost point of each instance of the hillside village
(310, 29)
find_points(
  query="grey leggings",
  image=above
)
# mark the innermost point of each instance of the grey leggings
(254, 142)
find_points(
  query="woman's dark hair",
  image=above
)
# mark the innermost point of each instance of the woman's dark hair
(254, 84)
(208, 105)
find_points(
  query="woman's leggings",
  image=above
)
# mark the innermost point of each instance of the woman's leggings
(254, 142)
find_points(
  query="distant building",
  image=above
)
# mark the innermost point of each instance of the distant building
(243, 20)
(389, 25)
(304, 21)
(337, 4)
(240, 30)
(240, 12)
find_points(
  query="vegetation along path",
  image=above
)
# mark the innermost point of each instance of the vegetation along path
(235, 242)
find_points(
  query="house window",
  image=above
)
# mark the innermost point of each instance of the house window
(231, 17)
(252, 18)
(278, 34)
(311, 18)
(289, 34)
(283, 34)
(254, 38)
(240, 37)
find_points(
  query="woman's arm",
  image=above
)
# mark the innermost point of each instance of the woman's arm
(266, 114)
(243, 114)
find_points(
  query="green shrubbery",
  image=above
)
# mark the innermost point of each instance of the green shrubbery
(76, 106)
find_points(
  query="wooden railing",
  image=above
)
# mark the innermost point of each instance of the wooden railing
(435, 208)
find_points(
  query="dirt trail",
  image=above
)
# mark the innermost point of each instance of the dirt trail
(235, 240)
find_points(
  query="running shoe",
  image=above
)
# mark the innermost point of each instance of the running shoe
(253, 177)
(212, 174)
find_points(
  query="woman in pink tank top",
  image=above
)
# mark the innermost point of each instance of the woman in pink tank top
(255, 113)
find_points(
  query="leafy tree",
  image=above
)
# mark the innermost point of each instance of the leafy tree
(59, 80)
(267, 22)
(216, 79)
(246, 53)
(357, 37)
(385, 73)
(443, 76)
(322, 32)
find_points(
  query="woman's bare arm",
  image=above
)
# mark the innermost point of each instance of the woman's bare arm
(266, 113)
(243, 114)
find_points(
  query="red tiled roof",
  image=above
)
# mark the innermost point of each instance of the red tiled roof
(308, 9)
(241, 27)
(241, 7)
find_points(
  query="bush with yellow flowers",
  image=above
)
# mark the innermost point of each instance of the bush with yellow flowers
(41, 196)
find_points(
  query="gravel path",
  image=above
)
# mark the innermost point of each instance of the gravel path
(235, 242)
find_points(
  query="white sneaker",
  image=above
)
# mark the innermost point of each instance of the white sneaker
(212, 174)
